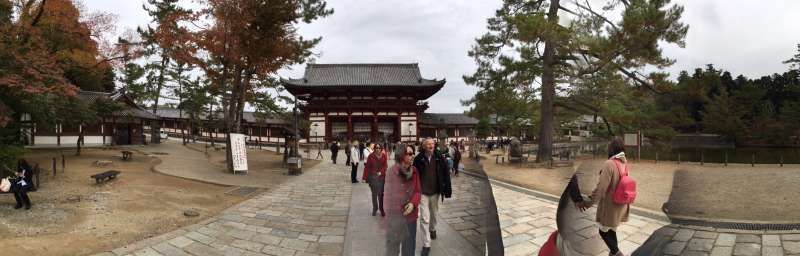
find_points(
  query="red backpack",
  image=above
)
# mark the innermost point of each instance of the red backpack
(625, 193)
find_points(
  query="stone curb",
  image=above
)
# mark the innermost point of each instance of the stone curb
(635, 210)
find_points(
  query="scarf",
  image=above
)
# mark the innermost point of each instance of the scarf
(405, 172)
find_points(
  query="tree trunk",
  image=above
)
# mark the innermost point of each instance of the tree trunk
(231, 120)
(180, 104)
(154, 127)
(545, 152)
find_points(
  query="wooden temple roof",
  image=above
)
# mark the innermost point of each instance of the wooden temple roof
(363, 77)
(131, 109)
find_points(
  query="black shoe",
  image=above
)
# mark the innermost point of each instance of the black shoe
(27, 207)
(433, 235)
(383, 214)
(426, 251)
(18, 206)
(373, 213)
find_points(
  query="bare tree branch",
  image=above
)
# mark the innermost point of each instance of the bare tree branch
(39, 14)
(588, 8)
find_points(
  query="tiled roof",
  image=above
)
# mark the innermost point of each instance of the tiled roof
(251, 117)
(363, 75)
(449, 118)
(130, 111)
(247, 116)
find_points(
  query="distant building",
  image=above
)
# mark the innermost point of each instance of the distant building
(374, 102)
(123, 128)
(581, 128)
(257, 130)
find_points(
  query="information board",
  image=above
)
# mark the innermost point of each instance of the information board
(239, 152)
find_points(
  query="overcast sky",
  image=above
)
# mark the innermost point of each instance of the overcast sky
(742, 36)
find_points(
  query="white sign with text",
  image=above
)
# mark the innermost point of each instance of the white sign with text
(239, 152)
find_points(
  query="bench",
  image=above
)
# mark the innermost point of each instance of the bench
(105, 176)
(127, 155)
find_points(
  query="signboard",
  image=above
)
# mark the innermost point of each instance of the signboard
(238, 152)
(631, 139)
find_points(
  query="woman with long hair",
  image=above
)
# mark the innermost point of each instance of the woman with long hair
(609, 213)
(375, 175)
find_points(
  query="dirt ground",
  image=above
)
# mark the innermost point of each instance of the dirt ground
(735, 192)
(261, 162)
(72, 215)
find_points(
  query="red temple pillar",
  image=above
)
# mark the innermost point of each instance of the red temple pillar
(374, 130)
(349, 127)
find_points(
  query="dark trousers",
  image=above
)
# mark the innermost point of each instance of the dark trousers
(455, 166)
(354, 172)
(610, 238)
(408, 243)
(333, 157)
(376, 187)
(21, 196)
(347, 162)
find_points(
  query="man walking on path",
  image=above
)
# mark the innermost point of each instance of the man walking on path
(348, 152)
(334, 151)
(319, 152)
(435, 182)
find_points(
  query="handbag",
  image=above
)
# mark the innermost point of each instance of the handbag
(5, 185)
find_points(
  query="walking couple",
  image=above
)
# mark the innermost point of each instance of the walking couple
(413, 188)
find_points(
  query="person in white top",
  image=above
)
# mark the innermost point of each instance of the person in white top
(355, 159)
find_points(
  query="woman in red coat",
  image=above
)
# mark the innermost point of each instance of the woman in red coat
(402, 202)
(375, 174)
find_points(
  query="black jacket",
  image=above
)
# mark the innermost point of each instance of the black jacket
(442, 174)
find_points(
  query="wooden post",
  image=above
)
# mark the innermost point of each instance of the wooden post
(656, 157)
(679, 158)
(63, 163)
(753, 160)
(781, 160)
(54, 166)
(639, 145)
(726, 158)
(702, 157)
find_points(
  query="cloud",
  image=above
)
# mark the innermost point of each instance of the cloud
(742, 36)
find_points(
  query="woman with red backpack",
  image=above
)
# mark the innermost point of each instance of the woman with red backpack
(613, 195)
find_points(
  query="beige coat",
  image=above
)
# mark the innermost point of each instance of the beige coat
(609, 214)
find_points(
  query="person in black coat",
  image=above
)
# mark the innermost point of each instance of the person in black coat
(435, 186)
(347, 149)
(22, 184)
(334, 151)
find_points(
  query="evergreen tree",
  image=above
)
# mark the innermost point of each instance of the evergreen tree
(723, 116)
(527, 44)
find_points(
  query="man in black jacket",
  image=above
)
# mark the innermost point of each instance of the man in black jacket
(435, 183)
(334, 151)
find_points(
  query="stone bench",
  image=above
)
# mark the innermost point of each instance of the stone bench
(105, 176)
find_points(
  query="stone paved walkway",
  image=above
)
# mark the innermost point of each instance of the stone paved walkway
(527, 221)
(366, 233)
(304, 216)
(694, 240)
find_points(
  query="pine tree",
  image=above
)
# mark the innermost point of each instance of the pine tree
(528, 43)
